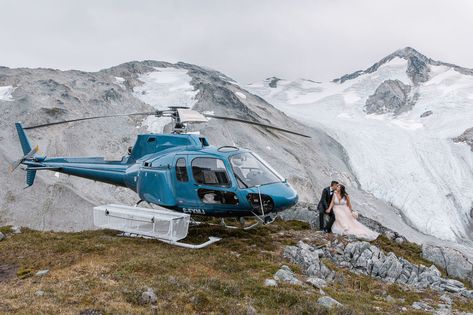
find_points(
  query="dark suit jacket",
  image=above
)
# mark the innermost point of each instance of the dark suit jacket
(325, 200)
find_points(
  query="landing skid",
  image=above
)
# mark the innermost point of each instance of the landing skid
(211, 240)
(261, 221)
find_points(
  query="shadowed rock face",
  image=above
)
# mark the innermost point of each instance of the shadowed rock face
(392, 96)
(417, 70)
(466, 137)
(274, 82)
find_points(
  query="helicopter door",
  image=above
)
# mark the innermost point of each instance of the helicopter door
(186, 192)
(214, 185)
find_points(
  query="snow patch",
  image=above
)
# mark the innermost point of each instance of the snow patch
(240, 95)
(163, 88)
(6, 93)
(120, 81)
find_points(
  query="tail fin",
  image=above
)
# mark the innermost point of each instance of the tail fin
(28, 152)
(25, 142)
(30, 176)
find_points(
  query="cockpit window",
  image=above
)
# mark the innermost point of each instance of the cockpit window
(251, 170)
(210, 171)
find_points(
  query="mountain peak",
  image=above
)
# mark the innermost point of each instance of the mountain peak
(418, 66)
(408, 52)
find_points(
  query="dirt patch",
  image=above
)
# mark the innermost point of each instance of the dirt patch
(7, 272)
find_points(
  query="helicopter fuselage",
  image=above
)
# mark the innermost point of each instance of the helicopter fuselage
(183, 172)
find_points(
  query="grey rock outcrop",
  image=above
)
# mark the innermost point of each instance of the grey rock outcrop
(417, 69)
(426, 114)
(392, 96)
(365, 258)
(466, 137)
(455, 263)
(308, 258)
(273, 82)
(2, 236)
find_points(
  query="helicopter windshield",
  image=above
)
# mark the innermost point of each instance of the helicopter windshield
(251, 170)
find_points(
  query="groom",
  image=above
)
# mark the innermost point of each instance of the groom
(323, 205)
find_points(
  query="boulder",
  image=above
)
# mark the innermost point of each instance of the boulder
(422, 306)
(16, 229)
(317, 282)
(270, 283)
(149, 297)
(250, 310)
(455, 263)
(328, 302)
(285, 274)
(2, 236)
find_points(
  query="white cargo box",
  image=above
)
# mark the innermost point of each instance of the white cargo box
(161, 224)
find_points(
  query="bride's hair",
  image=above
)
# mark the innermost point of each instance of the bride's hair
(343, 191)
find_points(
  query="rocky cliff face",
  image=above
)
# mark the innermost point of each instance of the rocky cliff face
(466, 137)
(392, 96)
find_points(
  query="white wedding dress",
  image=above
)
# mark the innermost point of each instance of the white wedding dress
(346, 224)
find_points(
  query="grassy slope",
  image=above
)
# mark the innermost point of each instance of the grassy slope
(99, 270)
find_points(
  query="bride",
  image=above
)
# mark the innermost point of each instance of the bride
(345, 218)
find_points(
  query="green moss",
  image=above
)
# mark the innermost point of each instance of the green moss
(24, 273)
(6, 229)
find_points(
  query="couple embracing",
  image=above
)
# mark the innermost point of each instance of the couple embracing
(336, 204)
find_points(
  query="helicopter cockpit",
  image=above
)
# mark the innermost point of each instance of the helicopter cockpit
(251, 170)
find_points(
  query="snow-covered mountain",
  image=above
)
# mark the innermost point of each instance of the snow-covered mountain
(406, 124)
(60, 202)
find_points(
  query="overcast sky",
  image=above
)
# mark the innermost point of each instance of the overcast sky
(246, 40)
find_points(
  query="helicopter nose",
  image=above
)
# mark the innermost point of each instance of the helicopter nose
(287, 199)
(283, 195)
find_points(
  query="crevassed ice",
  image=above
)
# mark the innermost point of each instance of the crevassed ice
(406, 160)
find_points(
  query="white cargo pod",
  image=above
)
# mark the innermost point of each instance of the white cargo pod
(165, 225)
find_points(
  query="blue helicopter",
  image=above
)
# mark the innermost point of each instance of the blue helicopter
(180, 171)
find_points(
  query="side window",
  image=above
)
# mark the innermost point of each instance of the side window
(181, 171)
(210, 171)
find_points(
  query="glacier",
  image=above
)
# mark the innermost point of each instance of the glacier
(406, 160)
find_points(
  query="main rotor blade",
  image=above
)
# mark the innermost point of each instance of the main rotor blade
(88, 118)
(257, 124)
